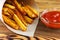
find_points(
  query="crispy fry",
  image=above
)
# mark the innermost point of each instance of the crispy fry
(18, 6)
(19, 22)
(30, 14)
(28, 20)
(5, 11)
(10, 22)
(7, 14)
(32, 9)
(18, 14)
(20, 17)
(9, 6)
(9, 1)
(11, 12)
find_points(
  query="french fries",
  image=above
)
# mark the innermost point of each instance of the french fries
(18, 14)
(19, 22)
(32, 9)
(28, 20)
(30, 14)
(10, 22)
(7, 14)
(11, 12)
(19, 7)
(5, 11)
(20, 17)
(9, 6)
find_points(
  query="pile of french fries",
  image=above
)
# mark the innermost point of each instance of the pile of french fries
(18, 16)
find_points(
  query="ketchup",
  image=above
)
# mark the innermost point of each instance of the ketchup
(53, 19)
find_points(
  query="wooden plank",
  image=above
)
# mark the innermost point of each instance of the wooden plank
(42, 30)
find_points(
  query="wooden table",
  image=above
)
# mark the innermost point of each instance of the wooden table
(41, 30)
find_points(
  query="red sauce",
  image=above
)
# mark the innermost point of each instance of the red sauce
(53, 17)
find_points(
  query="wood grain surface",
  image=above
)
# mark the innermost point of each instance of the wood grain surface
(44, 4)
(41, 30)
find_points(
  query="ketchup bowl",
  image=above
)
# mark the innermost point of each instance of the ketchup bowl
(51, 18)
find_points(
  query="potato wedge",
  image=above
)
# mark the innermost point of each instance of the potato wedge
(20, 16)
(18, 6)
(32, 9)
(19, 22)
(10, 22)
(9, 6)
(28, 20)
(30, 14)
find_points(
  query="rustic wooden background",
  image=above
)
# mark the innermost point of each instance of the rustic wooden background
(41, 30)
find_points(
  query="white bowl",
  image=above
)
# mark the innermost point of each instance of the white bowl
(46, 22)
(45, 11)
(31, 28)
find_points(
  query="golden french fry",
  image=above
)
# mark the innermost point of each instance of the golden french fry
(18, 14)
(18, 6)
(10, 22)
(5, 11)
(20, 17)
(9, 6)
(19, 22)
(32, 9)
(11, 12)
(8, 15)
(28, 20)
(30, 14)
